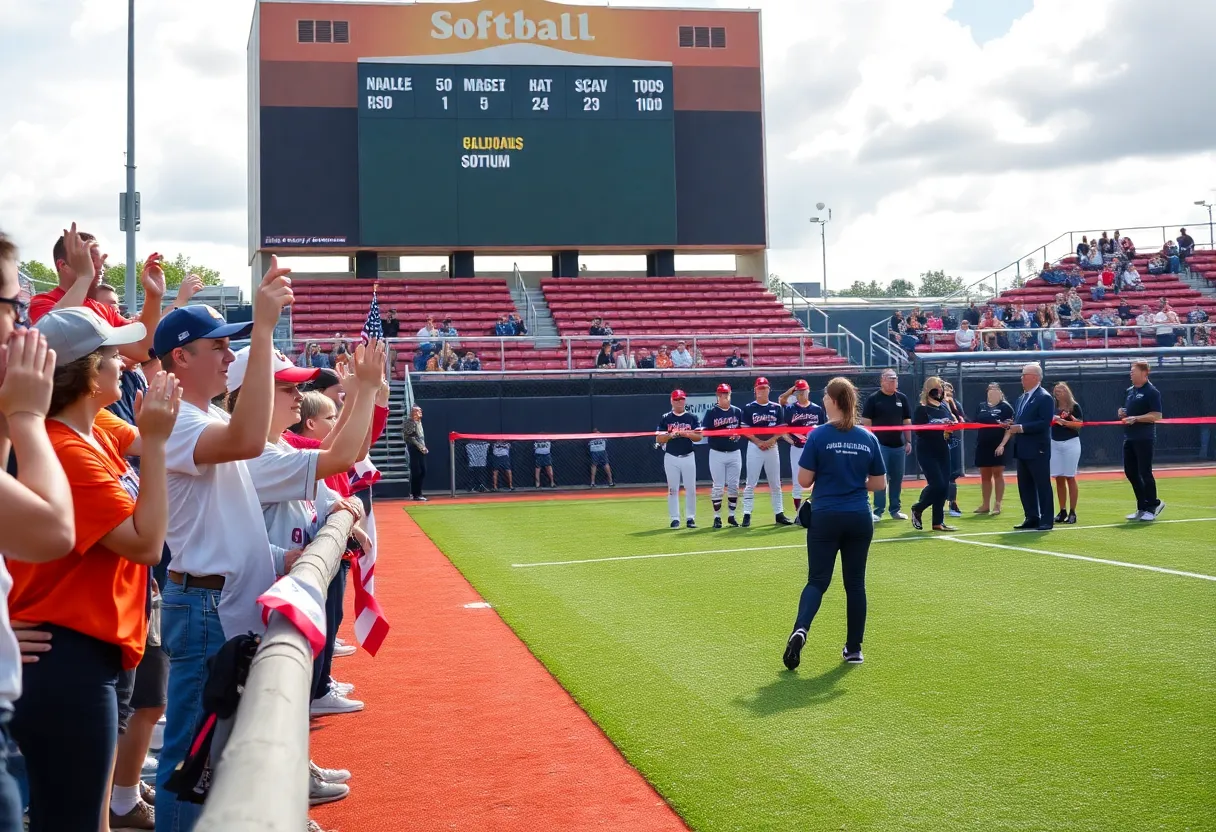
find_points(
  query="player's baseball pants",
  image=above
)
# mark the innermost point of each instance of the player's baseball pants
(681, 469)
(795, 455)
(724, 468)
(770, 462)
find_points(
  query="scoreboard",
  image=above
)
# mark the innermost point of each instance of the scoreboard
(504, 125)
(516, 155)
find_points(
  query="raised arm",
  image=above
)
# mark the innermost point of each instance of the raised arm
(348, 446)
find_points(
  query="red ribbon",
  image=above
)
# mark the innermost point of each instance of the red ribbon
(523, 437)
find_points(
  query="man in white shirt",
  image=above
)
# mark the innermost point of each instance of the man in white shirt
(681, 358)
(221, 560)
(964, 336)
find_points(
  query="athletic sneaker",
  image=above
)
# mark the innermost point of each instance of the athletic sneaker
(916, 524)
(320, 791)
(332, 703)
(782, 520)
(793, 650)
(717, 522)
(329, 775)
(898, 515)
(731, 521)
(341, 688)
(612, 485)
(1062, 516)
(1147, 516)
(747, 520)
(1135, 515)
(1071, 519)
(142, 816)
(313, 826)
(1160, 508)
(421, 499)
(955, 511)
(877, 517)
(692, 524)
(852, 656)
(675, 524)
(342, 650)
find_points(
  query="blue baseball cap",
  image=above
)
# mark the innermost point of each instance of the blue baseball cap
(182, 326)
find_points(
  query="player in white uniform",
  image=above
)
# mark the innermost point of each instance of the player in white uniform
(725, 461)
(763, 455)
(801, 413)
(677, 430)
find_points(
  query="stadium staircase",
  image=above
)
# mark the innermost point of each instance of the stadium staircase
(675, 307)
(1184, 291)
(389, 454)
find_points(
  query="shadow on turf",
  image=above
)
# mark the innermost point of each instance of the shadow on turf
(789, 691)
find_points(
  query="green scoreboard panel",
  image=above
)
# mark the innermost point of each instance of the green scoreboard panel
(467, 156)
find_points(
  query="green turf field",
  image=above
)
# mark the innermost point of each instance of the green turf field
(1002, 689)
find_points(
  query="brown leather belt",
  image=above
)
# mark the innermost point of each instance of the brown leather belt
(199, 581)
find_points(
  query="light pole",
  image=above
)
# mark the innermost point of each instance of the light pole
(1203, 203)
(823, 240)
(129, 198)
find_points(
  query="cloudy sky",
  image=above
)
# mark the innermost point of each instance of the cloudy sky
(956, 135)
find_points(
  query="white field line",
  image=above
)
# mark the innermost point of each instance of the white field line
(904, 539)
(1145, 567)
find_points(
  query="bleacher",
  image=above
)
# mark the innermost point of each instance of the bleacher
(1182, 297)
(643, 308)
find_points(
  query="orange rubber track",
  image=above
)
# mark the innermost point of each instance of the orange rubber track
(464, 728)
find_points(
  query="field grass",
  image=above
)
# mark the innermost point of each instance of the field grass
(1002, 689)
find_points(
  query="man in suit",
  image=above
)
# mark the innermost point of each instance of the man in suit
(1031, 428)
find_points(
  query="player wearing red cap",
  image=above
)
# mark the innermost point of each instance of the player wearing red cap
(676, 432)
(762, 454)
(725, 461)
(801, 413)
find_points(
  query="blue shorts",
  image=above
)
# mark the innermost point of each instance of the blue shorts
(544, 460)
(500, 463)
(599, 458)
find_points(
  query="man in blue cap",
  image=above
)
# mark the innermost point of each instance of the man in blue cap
(221, 561)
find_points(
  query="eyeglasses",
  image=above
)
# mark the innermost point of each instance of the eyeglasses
(21, 308)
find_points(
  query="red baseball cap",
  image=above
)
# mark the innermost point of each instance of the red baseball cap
(678, 394)
(801, 384)
(761, 382)
(723, 388)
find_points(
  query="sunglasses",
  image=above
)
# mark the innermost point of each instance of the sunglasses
(21, 308)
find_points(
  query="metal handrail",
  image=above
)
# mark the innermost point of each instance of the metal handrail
(530, 313)
(786, 291)
(879, 342)
(1087, 331)
(848, 342)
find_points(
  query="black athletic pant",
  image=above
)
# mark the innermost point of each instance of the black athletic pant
(417, 471)
(937, 485)
(848, 533)
(1138, 467)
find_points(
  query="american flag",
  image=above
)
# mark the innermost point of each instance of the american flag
(371, 327)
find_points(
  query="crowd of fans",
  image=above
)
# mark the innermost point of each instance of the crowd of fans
(145, 458)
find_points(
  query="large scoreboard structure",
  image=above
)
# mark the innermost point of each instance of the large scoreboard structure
(510, 127)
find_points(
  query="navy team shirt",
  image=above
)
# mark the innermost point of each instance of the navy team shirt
(756, 415)
(680, 445)
(1142, 400)
(718, 419)
(842, 461)
(803, 416)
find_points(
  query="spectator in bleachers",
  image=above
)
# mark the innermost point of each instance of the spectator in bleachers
(342, 355)
(448, 333)
(1018, 319)
(734, 360)
(1197, 316)
(1129, 279)
(518, 323)
(1063, 310)
(1201, 336)
(1046, 336)
(391, 326)
(626, 361)
(427, 333)
(1104, 322)
(1083, 248)
(972, 314)
(916, 330)
(990, 327)
(681, 358)
(964, 336)
(1170, 252)
(599, 328)
(897, 327)
(1074, 303)
(1106, 246)
(423, 357)
(933, 323)
(920, 317)
(503, 327)
(1126, 246)
(698, 360)
(949, 322)
(1186, 244)
(1158, 264)
(313, 357)
(663, 360)
(1094, 260)
(604, 359)
(470, 363)
(645, 359)
(1126, 314)
(1146, 321)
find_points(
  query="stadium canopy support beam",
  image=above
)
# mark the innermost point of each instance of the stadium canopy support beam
(461, 264)
(367, 264)
(661, 263)
(565, 264)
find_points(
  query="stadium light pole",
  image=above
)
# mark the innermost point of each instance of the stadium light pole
(132, 280)
(1203, 203)
(823, 241)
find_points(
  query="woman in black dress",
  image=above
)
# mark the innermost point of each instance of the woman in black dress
(956, 450)
(933, 454)
(992, 411)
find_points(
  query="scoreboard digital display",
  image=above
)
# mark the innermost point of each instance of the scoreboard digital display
(516, 155)
(530, 126)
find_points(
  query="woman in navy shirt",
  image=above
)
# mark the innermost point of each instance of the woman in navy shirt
(844, 463)
(994, 410)
(933, 454)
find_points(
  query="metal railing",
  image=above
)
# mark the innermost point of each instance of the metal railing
(799, 305)
(1063, 245)
(1012, 339)
(261, 778)
(530, 313)
(882, 345)
(852, 342)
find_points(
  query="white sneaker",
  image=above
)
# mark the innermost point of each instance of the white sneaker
(1147, 516)
(332, 703)
(899, 515)
(877, 517)
(329, 775)
(1135, 515)
(341, 688)
(320, 791)
(341, 650)
(1160, 508)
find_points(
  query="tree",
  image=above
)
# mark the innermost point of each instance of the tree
(861, 289)
(40, 273)
(936, 284)
(176, 271)
(900, 288)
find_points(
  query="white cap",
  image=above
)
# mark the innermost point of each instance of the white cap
(77, 331)
(283, 369)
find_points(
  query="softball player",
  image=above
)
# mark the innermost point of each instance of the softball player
(725, 461)
(677, 430)
(801, 413)
(598, 449)
(501, 461)
(542, 452)
(762, 453)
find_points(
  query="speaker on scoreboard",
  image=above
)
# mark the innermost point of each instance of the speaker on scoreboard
(661, 263)
(461, 264)
(565, 264)
(367, 264)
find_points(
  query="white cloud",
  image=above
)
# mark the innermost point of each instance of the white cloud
(934, 151)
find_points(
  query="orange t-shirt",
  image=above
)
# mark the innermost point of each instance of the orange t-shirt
(92, 591)
(45, 302)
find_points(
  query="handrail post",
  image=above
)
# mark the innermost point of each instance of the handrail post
(452, 463)
(802, 350)
(751, 350)
(569, 352)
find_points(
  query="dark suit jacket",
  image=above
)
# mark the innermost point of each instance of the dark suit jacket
(1034, 441)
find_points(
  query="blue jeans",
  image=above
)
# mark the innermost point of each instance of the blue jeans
(11, 804)
(894, 459)
(190, 634)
